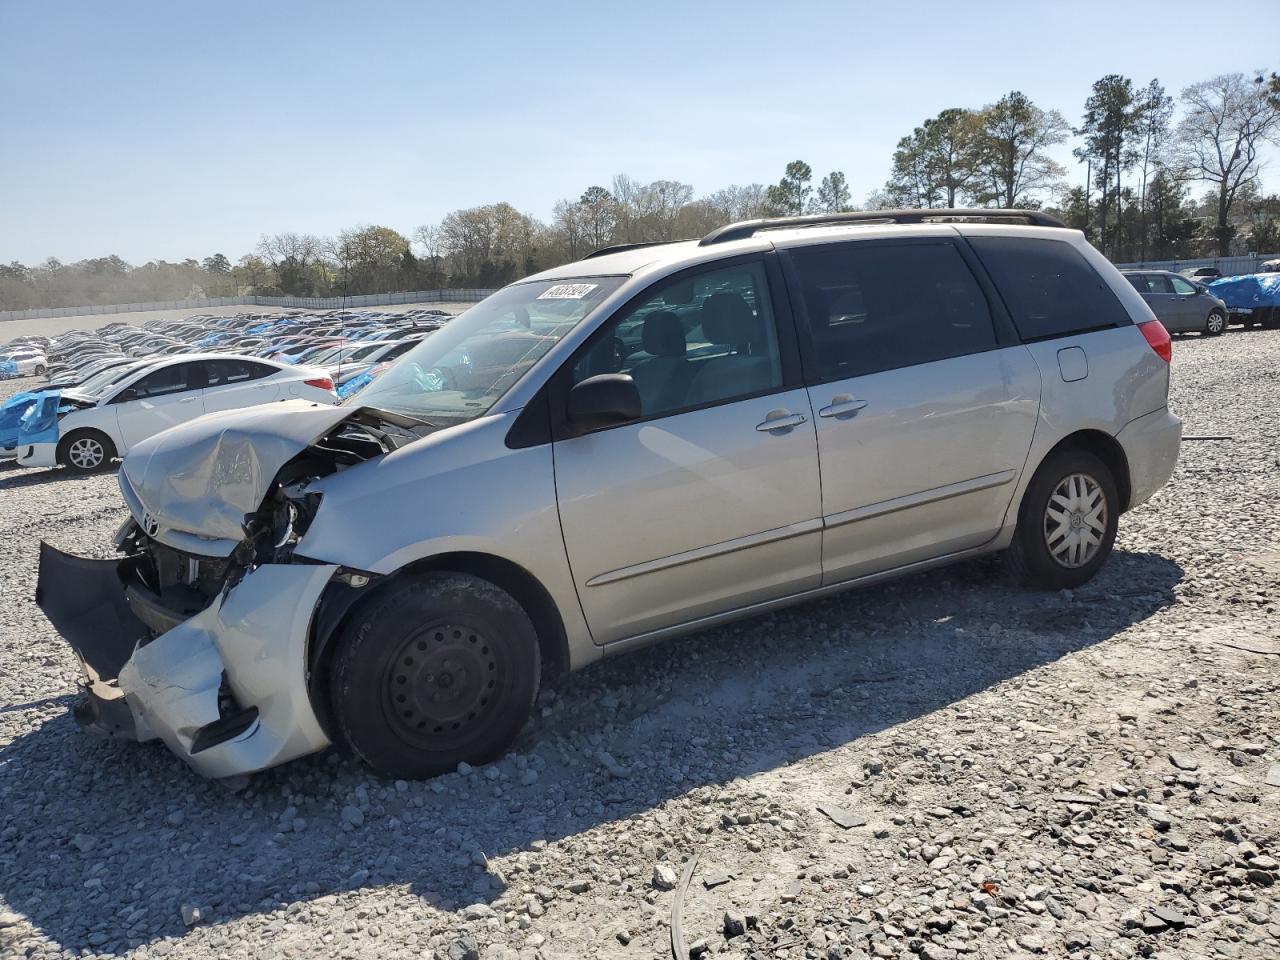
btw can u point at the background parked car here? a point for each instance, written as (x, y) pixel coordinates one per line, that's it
(1181, 305)
(86, 429)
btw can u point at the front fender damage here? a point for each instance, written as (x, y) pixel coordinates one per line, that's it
(201, 635)
(225, 689)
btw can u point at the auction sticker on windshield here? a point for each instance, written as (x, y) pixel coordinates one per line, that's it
(567, 291)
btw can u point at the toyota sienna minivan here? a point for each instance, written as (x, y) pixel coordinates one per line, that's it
(647, 442)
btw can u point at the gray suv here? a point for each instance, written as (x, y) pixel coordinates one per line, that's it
(650, 441)
(1182, 305)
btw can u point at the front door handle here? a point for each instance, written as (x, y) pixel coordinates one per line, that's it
(780, 421)
(842, 407)
(187, 400)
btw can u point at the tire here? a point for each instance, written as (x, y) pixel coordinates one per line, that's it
(40, 370)
(1215, 324)
(86, 451)
(1072, 475)
(434, 671)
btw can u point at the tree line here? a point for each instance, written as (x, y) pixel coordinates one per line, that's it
(1144, 153)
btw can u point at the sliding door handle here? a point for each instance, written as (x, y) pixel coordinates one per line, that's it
(779, 421)
(842, 407)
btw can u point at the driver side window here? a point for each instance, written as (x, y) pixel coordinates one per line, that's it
(693, 341)
(171, 379)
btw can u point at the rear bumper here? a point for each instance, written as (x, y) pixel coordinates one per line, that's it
(1151, 445)
(225, 689)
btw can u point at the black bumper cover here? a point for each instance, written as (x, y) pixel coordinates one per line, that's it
(86, 603)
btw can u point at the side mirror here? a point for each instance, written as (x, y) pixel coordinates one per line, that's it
(603, 401)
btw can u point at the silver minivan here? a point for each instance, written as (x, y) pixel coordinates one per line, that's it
(644, 443)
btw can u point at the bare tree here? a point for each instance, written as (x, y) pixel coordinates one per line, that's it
(1013, 164)
(1227, 120)
(749, 202)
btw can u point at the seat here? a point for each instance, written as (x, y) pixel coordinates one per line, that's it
(662, 378)
(727, 319)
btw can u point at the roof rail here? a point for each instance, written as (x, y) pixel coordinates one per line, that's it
(748, 228)
(620, 247)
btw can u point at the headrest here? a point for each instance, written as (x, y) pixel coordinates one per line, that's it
(726, 318)
(663, 335)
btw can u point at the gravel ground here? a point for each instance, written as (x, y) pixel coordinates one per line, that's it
(944, 766)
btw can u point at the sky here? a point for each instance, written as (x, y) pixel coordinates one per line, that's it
(166, 130)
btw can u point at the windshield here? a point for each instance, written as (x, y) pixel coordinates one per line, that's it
(460, 372)
(104, 378)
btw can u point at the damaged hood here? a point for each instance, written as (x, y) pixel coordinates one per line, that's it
(192, 485)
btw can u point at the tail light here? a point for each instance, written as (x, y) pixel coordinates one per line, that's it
(1159, 339)
(326, 383)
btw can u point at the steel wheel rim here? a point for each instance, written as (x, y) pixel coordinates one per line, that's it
(442, 683)
(86, 453)
(1075, 520)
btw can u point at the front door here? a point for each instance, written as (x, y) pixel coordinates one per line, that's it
(710, 501)
(1189, 307)
(158, 401)
(924, 415)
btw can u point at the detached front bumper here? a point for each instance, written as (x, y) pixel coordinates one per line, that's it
(37, 454)
(226, 689)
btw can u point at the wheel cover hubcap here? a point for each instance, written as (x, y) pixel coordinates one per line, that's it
(1075, 520)
(85, 452)
(1215, 322)
(441, 685)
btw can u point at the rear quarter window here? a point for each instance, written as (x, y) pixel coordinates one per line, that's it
(1049, 288)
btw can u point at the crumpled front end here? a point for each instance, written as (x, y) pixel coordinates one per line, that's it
(201, 635)
(224, 687)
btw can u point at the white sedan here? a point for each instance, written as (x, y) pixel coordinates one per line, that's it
(93, 427)
(28, 361)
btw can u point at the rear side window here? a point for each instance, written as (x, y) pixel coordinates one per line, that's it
(1050, 289)
(878, 306)
(1151, 283)
(224, 372)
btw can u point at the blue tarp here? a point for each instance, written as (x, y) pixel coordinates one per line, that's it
(8, 369)
(11, 413)
(40, 422)
(30, 418)
(355, 384)
(1253, 290)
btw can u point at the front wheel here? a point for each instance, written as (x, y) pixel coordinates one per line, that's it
(85, 451)
(1067, 521)
(1215, 323)
(434, 671)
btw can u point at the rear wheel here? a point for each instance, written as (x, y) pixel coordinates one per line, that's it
(437, 670)
(1067, 521)
(1215, 323)
(85, 451)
